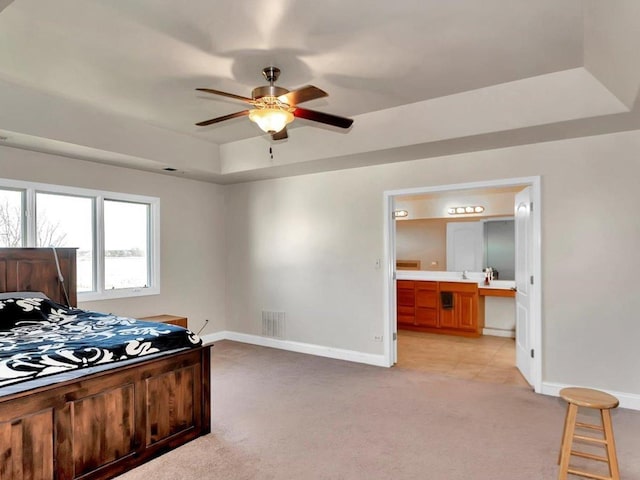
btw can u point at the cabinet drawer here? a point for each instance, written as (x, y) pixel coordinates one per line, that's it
(407, 321)
(406, 311)
(426, 298)
(458, 287)
(405, 298)
(426, 285)
(406, 315)
(404, 284)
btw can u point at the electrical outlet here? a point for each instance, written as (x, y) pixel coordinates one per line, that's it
(377, 338)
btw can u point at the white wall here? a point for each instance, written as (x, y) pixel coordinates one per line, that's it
(307, 246)
(192, 234)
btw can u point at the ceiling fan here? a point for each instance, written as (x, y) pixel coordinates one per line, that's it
(275, 107)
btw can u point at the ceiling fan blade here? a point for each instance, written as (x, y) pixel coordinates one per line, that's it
(226, 94)
(281, 135)
(322, 117)
(303, 94)
(223, 118)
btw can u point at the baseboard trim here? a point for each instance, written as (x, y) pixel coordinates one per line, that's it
(213, 337)
(627, 400)
(299, 347)
(497, 332)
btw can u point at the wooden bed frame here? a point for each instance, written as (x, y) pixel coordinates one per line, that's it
(103, 424)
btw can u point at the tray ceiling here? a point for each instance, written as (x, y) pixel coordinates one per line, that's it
(138, 63)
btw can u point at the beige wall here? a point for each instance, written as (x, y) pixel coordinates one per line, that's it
(307, 246)
(192, 234)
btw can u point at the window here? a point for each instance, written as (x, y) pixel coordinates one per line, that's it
(126, 242)
(117, 235)
(67, 221)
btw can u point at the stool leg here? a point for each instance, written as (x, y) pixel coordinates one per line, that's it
(611, 444)
(567, 441)
(564, 433)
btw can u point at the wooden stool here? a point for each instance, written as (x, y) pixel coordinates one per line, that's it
(585, 397)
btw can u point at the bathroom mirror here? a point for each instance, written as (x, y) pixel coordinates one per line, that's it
(425, 241)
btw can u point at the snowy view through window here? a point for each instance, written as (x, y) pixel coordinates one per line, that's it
(65, 221)
(126, 233)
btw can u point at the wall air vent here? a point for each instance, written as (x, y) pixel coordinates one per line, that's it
(273, 324)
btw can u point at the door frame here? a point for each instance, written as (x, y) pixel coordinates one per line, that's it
(389, 296)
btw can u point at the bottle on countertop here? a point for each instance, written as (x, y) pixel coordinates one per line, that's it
(488, 275)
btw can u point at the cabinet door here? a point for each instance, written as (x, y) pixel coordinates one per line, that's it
(448, 316)
(467, 311)
(427, 317)
(426, 304)
(463, 315)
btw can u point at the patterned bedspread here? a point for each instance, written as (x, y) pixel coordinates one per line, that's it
(39, 337)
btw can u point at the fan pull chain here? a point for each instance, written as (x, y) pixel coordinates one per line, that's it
(271, 153)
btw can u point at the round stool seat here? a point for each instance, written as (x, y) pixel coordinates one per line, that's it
(587, 397)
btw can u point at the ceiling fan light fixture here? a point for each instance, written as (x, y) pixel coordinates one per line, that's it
(271, 114)
(271, 120)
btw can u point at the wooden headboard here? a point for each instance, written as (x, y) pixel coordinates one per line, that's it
(34, 270)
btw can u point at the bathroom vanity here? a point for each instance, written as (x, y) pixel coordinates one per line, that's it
(444, 302)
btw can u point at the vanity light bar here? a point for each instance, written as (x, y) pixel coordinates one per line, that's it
(466, 210)
(400, 214)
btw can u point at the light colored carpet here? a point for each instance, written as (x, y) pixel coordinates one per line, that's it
(282, 415)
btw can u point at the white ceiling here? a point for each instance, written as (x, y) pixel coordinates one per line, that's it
(397, 68)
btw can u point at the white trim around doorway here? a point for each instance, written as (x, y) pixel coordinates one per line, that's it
(389, 294)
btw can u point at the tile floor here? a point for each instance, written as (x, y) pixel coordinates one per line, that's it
(487, 358)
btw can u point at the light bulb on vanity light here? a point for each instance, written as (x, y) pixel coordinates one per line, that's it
(468, 209)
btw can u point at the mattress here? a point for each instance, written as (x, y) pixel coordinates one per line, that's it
(42, 342)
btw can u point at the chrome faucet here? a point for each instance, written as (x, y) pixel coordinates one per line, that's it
(464, 275)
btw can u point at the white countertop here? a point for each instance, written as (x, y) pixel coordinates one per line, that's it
(473, 277)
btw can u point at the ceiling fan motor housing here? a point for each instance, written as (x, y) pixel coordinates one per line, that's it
(268, 91)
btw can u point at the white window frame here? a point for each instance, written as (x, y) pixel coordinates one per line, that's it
(30, 190)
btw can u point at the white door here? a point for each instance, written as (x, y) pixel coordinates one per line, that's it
(465, 246)
(524, 270)
(393, 300)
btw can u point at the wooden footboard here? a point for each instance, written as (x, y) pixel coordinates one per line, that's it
(107, 423)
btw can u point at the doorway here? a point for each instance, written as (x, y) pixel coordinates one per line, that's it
(532, 332)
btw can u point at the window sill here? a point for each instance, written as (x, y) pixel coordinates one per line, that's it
(119, 293)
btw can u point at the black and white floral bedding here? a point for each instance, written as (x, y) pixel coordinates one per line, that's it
(39, 337)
